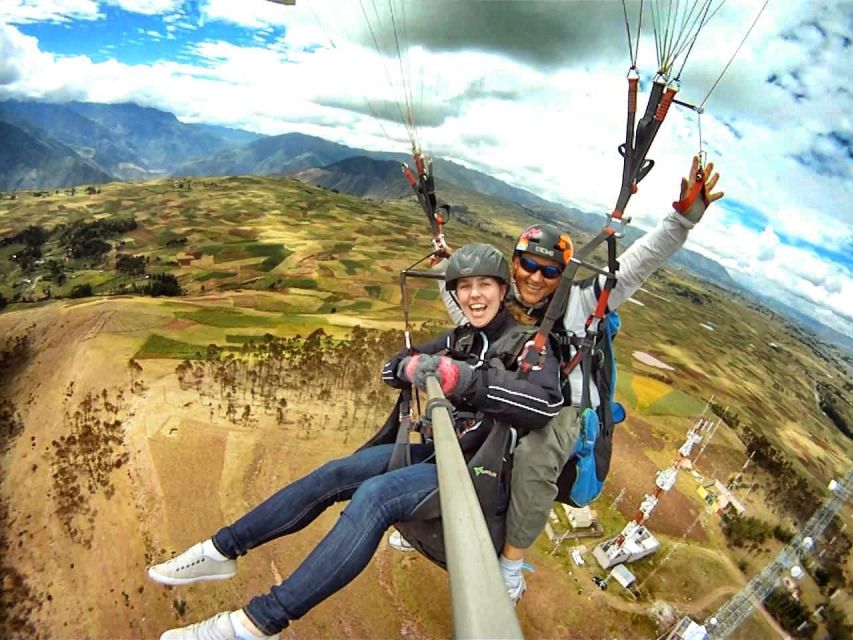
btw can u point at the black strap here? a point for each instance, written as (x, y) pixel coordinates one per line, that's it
(401, 456)
(434, 403)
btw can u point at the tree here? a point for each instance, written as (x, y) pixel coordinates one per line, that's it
(81, 291)
(131, 265)
(181, 371)
(163, 284)
(33, 236)
(56, 272)
(135, 370)
(790, 613)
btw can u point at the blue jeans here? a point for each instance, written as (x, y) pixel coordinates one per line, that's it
(378, 499)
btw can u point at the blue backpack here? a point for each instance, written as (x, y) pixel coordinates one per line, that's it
(583, 475)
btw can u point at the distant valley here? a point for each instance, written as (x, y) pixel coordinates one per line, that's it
(53, 146)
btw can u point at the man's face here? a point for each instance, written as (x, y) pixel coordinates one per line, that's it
(532, 286)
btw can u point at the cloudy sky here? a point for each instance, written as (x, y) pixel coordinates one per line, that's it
(531, 92)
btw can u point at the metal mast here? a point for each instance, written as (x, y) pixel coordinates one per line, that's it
(740, 607)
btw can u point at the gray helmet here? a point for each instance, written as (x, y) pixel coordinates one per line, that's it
(476, 259)
(547, 241)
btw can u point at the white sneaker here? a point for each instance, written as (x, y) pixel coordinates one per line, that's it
(219, 627)
(193, 565)
(398, 542)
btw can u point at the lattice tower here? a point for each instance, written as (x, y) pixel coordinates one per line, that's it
(740, 606)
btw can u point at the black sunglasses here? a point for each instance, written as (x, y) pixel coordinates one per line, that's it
(549, 271)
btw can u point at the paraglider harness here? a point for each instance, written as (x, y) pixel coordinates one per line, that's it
(582, 477)
(584, 473)
(588, 464)
(490, 466)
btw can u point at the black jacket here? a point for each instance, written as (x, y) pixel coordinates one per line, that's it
(495, 391)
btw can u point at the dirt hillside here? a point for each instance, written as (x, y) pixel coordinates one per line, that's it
(133, 439)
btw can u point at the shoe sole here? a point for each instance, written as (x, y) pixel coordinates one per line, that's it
(176, 582)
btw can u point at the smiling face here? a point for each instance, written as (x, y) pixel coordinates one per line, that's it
(480, 298)
(533, 287)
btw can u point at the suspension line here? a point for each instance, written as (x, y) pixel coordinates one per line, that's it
(728, 64)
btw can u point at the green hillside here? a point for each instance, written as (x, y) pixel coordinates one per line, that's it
(275, 275)
(324, 253)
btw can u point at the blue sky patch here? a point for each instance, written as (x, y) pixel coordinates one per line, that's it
(739, 212)
(843, 257)
(133, 38)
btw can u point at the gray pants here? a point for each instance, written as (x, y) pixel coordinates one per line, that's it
(538, 460)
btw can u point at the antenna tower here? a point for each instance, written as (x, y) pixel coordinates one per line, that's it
(740, 606)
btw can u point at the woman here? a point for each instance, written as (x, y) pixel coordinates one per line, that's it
(478, 277)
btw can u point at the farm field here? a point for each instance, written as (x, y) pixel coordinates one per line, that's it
(271, 262)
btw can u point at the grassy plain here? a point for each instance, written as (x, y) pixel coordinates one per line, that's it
(262, 256)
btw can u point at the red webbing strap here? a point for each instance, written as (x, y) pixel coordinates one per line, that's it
(600, 309)
(589, 338)
(410, 177)
(690, 197)
(665, 103)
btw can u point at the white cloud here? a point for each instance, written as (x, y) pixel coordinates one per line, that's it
(768, 244)
(253, 15)
(148, 7)
(27, 11)
(796, 275)
(552, 127)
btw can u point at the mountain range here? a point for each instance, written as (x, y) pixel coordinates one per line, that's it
(48, 146)
(123, 141)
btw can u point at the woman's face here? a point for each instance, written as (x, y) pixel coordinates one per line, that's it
(480, 298)
(532, 285)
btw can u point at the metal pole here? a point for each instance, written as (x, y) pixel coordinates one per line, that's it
(481, 606)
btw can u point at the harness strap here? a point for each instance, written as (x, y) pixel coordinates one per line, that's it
(401, 456)
(690, 197)
(424, 187)
(592, 328)
(535, 355)
(435, 403)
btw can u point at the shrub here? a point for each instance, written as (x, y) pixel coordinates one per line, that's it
(81, 291)
(131, 265)
(163, 284)
(741, 530)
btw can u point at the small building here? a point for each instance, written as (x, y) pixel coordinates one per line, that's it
(623, 576)
(636, 546)
(720, 498)
(577, 557)
(686, 629)
(581, 518)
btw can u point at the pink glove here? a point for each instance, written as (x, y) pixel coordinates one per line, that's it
(451, 374)
(448, 372)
